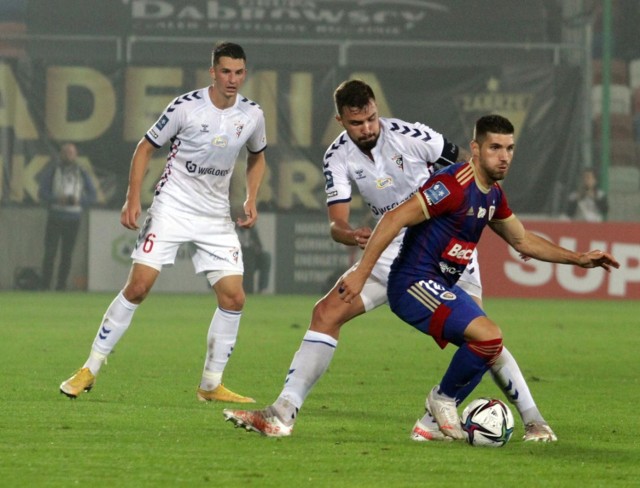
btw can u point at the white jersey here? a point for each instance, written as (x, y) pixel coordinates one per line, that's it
(403, 159)
(205, 143)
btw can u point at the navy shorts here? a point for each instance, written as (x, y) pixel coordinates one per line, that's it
(439, 310)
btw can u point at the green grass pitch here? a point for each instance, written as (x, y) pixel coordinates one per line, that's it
(142, 425)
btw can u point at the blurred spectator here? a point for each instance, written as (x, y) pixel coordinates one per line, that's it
(588, 202)
(257, 261)
(68, 190)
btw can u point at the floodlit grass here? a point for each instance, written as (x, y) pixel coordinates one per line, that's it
(142, 425)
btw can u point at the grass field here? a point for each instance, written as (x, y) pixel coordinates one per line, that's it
(142, 426)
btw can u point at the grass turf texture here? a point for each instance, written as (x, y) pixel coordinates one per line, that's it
(142, 425)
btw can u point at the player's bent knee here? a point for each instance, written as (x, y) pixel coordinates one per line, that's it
(323, 319)
(331, 312)
(482, 329)
(233, 301)
(227, 285)
(488, 350)
(136, 292)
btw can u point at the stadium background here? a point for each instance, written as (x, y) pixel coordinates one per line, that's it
(99, 73)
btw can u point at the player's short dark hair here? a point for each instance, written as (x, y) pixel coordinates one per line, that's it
(352, 93)
(228, 49)
(495, 124)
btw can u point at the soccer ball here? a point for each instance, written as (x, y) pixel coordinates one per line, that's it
(487, 422)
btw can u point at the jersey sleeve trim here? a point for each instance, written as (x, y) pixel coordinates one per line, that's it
(510, 217)
(343, 200)
(423, 205)
(153, 143)
(257, 152)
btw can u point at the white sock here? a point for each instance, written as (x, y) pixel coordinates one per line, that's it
(308, 365)
(114, 324)
(221, 338)
(508, 377)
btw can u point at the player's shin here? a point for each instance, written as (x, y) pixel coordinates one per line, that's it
(507, 375)
(466, 390)
(221, 339)
(114, 324)
(468, 364)
(309, 364)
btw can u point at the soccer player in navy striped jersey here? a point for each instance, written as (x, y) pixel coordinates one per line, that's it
(206, 129)
(444, 222)
(387, 159)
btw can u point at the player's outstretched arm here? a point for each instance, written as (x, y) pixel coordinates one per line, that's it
(532, 245)
(598, 259)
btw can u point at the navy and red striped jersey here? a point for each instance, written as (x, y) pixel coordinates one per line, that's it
(457, 208)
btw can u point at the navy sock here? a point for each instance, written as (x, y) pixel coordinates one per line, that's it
(464, 373)
(466, 390)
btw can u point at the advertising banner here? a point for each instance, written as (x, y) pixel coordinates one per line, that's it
(105, 109)
(505, 274)
(310, 261)
(454, 20)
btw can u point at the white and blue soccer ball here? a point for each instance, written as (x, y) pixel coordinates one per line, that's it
(487, 422)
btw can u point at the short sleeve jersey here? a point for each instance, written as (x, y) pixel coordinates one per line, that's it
(205, 143)
(457, 208)
(402, 160)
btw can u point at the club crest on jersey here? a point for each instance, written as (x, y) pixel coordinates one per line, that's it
(239, 126)
(162, 122)
(399, 160)
(436, 192)
(447, 295)
(382, 183)
(220, 141)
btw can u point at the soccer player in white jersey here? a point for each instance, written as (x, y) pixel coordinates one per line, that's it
(205, 129)
(388, 160)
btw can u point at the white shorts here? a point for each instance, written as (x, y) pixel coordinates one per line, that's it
(374, 292)
(214, 242)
